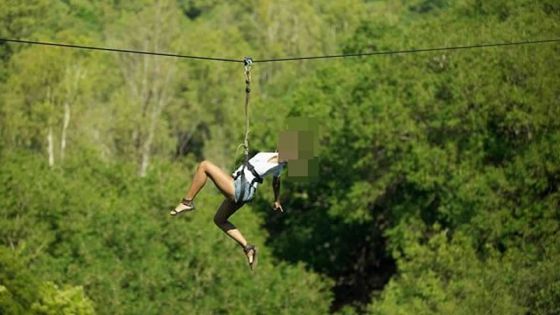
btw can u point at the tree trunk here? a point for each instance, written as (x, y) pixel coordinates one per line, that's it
(65, 124)
(148, 78)
(74, 75)
(50, 147)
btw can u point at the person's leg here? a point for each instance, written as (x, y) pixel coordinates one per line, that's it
(206, 169)
(226, 209)
(221, 179)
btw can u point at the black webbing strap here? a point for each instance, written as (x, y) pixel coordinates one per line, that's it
(257, 178)
(244, 184)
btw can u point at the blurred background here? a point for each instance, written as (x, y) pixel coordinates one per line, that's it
(438, 188)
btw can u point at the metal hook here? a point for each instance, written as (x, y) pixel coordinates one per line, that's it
(247, 62)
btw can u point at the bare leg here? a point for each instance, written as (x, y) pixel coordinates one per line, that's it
(226, 209)
(221, 179)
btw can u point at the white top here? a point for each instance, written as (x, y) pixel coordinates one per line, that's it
(262, 166)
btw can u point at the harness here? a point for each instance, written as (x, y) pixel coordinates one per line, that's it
(241, 173)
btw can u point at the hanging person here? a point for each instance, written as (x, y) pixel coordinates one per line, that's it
(238, 189)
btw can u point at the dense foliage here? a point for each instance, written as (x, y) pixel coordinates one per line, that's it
(439, 172)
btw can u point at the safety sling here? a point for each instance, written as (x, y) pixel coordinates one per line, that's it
(247, 62)
(245, 185)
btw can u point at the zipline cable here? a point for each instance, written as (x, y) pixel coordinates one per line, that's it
(386, 52)
(409, 51)
(130, 51)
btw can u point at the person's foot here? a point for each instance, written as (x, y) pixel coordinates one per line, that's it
(251, 253)
(185, 205)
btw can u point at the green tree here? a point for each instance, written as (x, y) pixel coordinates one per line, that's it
(23, 293)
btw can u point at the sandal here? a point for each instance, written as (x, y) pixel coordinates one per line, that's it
(189, 207)
(252, 262)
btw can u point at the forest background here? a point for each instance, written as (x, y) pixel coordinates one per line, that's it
(439, 172)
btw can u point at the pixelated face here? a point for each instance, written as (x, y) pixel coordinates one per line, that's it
(297, 147)
(288, 146)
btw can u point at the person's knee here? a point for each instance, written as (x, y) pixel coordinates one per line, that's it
(219, 221)
(203, 165)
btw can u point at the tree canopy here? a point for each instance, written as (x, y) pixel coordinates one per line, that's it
(438, 188)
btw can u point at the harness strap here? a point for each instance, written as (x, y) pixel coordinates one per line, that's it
(245, 186)
(257, 178)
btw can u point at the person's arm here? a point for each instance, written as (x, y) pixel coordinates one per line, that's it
(276, 189)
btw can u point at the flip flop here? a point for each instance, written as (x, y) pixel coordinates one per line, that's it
(189, 207)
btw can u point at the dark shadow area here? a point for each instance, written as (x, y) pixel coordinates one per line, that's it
(353, 255)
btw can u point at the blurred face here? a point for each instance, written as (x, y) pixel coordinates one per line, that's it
(288, 146)
(299, 145)
(295, 145)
